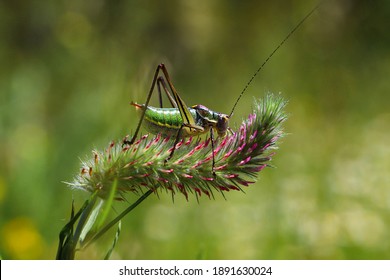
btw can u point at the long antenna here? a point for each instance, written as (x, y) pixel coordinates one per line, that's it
(272, 53)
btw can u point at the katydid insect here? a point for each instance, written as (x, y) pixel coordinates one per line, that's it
(182, 121)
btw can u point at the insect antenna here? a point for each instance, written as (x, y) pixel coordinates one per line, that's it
(271, 54)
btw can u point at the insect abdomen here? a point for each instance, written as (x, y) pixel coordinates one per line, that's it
(166, 121)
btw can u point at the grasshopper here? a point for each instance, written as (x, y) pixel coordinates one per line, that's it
(182, 121)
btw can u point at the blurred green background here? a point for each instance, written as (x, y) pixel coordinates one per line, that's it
(68, 70)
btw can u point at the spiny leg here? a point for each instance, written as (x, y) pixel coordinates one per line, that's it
(178, 137)
(175, 143)
(161, 83)
(188, 121)
(155, 80)
(176, 101)
(212, 149)
(126, 142)
(180, 104)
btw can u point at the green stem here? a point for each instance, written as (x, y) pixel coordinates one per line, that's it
(84, 218)
(117, 219)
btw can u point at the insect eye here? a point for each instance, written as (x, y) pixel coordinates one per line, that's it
(222, 118)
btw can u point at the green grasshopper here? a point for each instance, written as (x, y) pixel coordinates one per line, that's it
(182, 121)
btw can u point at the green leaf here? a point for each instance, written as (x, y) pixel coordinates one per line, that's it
(115, 241)
(91, 221)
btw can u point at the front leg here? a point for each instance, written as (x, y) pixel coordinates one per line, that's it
(198, 130)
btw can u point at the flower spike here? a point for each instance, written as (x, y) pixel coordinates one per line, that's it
(239, 158)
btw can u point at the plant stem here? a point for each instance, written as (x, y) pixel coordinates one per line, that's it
(118, 218)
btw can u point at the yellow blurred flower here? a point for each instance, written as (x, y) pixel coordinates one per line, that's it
(21, 239)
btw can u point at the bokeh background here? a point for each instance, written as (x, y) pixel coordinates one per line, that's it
(68, 70)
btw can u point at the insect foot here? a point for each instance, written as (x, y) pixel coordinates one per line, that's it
(125, 141)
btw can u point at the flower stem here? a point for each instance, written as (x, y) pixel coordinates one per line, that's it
(117, 219)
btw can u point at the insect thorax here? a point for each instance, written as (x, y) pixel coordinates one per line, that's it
(209, 118)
